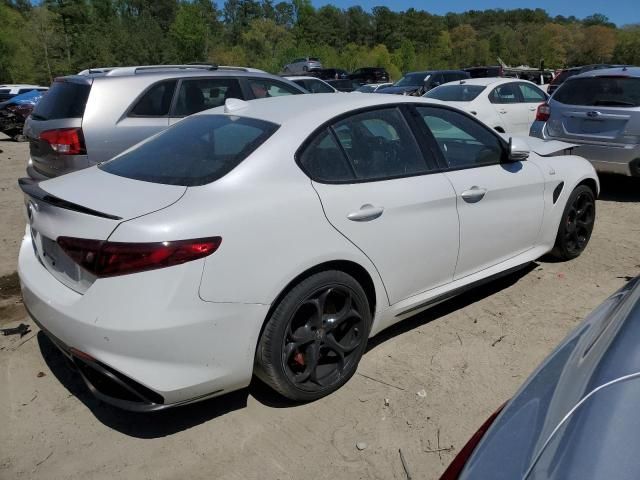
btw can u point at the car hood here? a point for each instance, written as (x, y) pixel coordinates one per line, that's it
(583, 394)
(399, 90)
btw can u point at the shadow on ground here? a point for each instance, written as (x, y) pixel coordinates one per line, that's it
(168, 422)
(616, 188)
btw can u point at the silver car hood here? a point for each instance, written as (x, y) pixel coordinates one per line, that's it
(581, 396)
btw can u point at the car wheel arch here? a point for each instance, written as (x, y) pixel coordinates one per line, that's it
(591, 183)
(357, 271)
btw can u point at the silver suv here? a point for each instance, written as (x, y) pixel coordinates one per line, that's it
(88, 118)
(301, 66)
(599, 111)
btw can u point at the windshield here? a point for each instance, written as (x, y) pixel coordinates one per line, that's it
(195, 151)
(455, 93)
(412, 80)
(366, 89)
(600, 91)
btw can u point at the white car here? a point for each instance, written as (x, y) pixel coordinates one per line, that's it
(276, 236)
(312, 84)
(506, 104)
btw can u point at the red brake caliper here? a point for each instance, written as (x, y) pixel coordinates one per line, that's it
(299, 359)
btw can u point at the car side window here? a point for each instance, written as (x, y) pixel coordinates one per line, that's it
(380, 145)
(201, 94)
(506, 93)
(264, 87)
(531, 94)
(156, 101)
(324, 161)
(463, 141)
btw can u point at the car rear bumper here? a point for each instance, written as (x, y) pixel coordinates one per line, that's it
(145, 342)
(622, 160)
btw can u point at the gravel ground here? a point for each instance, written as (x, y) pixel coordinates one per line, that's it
(424, 386)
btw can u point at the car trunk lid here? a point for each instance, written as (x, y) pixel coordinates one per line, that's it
(83, 205)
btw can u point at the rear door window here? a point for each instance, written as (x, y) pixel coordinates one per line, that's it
(195, 151)
(380, 145)
(201, 94)
(63, 100)
(600, 91)
(506, 93)
(156, 101)
(531, 94)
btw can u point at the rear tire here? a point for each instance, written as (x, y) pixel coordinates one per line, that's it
(314, 339)
(576, 224)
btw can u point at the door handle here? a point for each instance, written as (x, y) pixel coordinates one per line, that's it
(532, 109)
(502, 111)
(474, 194)
(366, 213)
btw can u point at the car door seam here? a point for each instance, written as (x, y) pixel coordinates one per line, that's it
(350, 241)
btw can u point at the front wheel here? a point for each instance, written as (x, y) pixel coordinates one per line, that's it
(576, 224)
(314, 339)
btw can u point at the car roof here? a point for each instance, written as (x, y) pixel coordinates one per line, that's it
(485, 81)
(607, 72)
(312, 109)
(302, 77)
(169, 71)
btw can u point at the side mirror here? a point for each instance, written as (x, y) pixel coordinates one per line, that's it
(518, 149)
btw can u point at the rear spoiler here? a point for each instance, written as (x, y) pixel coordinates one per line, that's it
(32, 188)
(548, 148)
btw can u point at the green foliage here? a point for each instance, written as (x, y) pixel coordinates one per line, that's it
(41, 40)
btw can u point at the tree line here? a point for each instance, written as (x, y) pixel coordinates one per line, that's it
(59, 37)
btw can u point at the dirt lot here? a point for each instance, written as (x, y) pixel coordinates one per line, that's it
(468, 356)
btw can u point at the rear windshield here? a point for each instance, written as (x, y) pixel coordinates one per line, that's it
(455, 93)
(600, 91)
(63, 100)
(196, 151)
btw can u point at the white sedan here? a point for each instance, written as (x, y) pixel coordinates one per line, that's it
(276, 236)
(506, 104)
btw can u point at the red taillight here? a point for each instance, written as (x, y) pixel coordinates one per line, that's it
(66, 141)
(455, 468)
(543, 112)
(108, 259)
